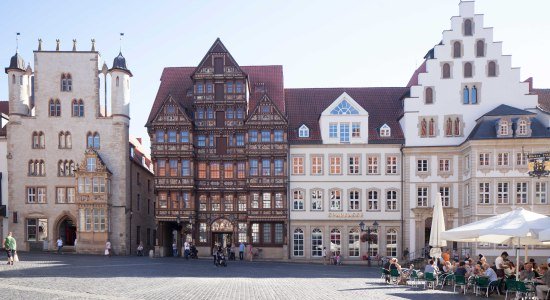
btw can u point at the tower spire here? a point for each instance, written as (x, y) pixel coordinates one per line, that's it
(17, 42)
(121, 35)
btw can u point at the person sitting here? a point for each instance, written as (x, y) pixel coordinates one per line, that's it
(430, 267)
(527, 273)
(544, 285)
(447, 268)
(140, 249)
(509, 269)
(387, 271)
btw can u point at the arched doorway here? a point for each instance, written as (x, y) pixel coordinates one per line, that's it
(222, 232)
(67, 231)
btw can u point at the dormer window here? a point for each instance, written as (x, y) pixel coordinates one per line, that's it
(385, 131)
(503, 128)
(303, 132)
(344, 108)
(522, 127)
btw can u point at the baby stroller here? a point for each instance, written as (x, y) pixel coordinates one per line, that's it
(220, 259)
(194, 252)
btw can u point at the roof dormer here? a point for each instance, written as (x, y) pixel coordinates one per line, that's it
(385, 131)
(344, 121)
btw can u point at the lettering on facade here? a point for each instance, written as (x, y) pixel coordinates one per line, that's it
(539, 164)
(345, 215)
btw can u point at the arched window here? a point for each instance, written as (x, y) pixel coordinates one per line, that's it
(423, 128)
(373, 242)
(503, 128)
(35, 140)
(61, 143)
(446, 70)
(457, 49)
(71, 168)
(480, 48)
(117, 81)
(298, 240)
(468, 27)
(39, 140)
(303, 131)
(522, 127)
(81, 108)
(468, 70)
(335, 240)
(492, 69)
(457, 126)
(96, 141)
(474, 95)
(52, 108)
(60, 168)
(429, 95)
(89, 140)
(391, 242)
(32, 170)
(449, 127)
(431, 127)
(42, 168)
(55, 108)
(316, 242)
(466, 95)
(353, 242)
(68, 140)
(13, 79)
(344, 108)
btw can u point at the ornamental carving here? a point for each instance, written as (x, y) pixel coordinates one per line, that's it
(222, 225)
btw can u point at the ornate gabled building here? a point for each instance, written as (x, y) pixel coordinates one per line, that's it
(57, 132)
(219, 146)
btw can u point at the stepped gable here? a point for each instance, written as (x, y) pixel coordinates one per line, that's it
(304, 106)
(414, 77)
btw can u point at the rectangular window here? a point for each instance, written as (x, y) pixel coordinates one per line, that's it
(254, 167)
(202, 233)
(467, 162)
(391, 165)
(60, 195)
(87, 185)
(241, 170)
(278, 233)
(228, 203)
(521, 193)
(215, 170)
(298, 200)
(255, 233)
(503, 159)
(31, 230)
(278, 167)
(184, 136)
(540, 192)
(228, 170)
(242, 203)
(267, 233)
(467, 195)
(41, 195)
(173, 167)
(278, 136)
(266, 200)
(215, 202)
(354, 200)
(484, 196)
(344, 132)
(316, 165)
(202, 170)
(316, 200)
(266, 167)
(356, 130)
(202, 202)
(335, 165)
(422, 196)
(372, 165)
(172, 136)
(333, 130)
(279, 203)
(240, 139)
(253, 136)
(521, 159)
(201, 141)
(422, 165)
(266, 136)
(238, 87)
(444, 165)
(185, 167)
(502, 193)
(71, 194)
(445, 196)
(255, 200)
(372, 198)
(354, 163)
(484, 159)
(160, 136)
(242, 227)
(391, 200)
(335, 200)
(297, 165)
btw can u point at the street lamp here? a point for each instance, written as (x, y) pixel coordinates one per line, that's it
(191, 219)
(368, 229)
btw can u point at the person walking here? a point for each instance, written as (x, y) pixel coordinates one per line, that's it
(140, 249)
(174, 249)
(11, 247)
(108, 248)
(186, 249)
(59, 245)
(324, 254)
(250, 252)
(241, 251)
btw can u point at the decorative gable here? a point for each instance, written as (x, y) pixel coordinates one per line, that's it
(217, 61)
(345, 105)
(171, 113)
(266, 113)
(344, 121)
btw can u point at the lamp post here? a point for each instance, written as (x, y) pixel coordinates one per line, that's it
(368, 229)
(191, 219)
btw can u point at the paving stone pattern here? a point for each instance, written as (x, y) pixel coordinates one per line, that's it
(51, 276)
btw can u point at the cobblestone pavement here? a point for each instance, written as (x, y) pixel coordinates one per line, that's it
(51, 276)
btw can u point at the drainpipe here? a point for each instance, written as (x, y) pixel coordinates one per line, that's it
(402, 195)
(131, 211)
(287, 197)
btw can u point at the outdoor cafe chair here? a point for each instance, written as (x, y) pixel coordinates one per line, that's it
(511, 287)
(385, 274)
(482, 283)
(394, 276)
(523, 291)
(414, 277)
(429, 279)
(460, 281)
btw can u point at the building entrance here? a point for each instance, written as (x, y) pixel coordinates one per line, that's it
(222, 238)
(67, 232)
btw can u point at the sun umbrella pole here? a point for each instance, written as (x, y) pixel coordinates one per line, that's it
(526, 255)
(517, 259)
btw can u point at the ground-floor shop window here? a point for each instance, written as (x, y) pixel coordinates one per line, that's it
(298, 242)
(242, 233)
(37, 230)
(202, 233)
(373, 243)
(353, 242)
(317, 242)
(93, 219)
(391, 243)
(267, 233)
(335, 240)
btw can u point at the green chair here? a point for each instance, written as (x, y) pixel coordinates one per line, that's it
(460, 281)
(430, 279)
(482, 283)
(394, 276)
(414, 277)
(523, 291)
(495, 285)
(385, 274)
(511, 287)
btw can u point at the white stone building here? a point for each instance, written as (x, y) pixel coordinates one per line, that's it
(57, 128)
(467, 126)
(345, 168)
(3, 169)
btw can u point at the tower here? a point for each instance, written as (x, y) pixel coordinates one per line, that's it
(18, 85)
(120, 87)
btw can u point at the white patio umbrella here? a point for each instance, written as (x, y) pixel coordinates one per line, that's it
(517, 227)
(544, 236)
(438, 226)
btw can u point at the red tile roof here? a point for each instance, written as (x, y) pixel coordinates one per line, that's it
(544, 98)
(304, 106)
(175, 81)
(414, 78)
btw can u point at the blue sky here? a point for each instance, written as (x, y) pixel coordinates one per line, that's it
(319, 43)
